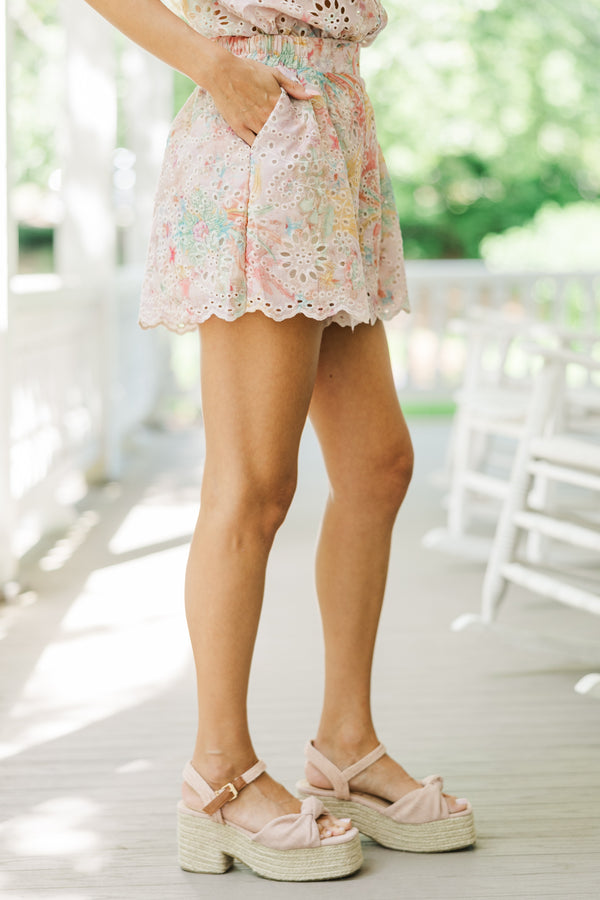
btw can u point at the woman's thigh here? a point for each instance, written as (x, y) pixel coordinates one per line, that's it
(355, 409)
(257, 381)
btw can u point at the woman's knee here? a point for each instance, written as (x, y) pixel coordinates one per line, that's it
(269, 501)
(392, 475)
(255, 502)
(379, 482)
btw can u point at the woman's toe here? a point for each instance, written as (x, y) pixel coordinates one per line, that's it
(330, 826)
(341, 826)
(456, 804)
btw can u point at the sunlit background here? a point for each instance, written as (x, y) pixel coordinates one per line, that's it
(488, 114)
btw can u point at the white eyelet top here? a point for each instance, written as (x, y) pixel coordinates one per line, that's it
(346, 20)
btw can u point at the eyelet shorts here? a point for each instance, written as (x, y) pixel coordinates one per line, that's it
(303, 221)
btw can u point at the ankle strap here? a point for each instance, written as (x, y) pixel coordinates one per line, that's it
(365, 762)
(226, 793)
(339, 778)
(230, 790)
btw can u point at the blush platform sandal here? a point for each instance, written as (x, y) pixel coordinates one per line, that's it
(419, 821)
(289, 848)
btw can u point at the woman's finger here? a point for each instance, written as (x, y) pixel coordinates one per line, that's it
(246, 135)
(295, 88)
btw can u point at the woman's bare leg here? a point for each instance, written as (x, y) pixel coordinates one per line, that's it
(368, 454)
(257, 380)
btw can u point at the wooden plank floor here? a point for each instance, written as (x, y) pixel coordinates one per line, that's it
(98, 707)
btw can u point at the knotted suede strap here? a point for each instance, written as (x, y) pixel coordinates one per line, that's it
(424, 804)
(230, 790)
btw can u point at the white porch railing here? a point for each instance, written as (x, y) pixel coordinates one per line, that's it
(428, 359)
(81, 380)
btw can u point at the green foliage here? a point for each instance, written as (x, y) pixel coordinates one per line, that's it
(37, 89)
(36, 249)
(486, 110)
(182, 88)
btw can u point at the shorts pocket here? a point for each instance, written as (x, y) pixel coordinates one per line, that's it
(272, 115)
(295, 179)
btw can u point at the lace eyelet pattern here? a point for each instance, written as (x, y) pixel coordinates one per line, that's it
(348, 20)
(304, 221)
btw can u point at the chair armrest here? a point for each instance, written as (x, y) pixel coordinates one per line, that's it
(555, 354)
(564, 334)
(480, 319)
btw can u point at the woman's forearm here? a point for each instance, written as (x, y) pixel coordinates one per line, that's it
(155, 28)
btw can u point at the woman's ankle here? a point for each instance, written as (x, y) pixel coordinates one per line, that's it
(218, 767)
(345, 743)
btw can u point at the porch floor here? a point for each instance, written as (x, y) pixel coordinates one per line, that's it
(98, 709)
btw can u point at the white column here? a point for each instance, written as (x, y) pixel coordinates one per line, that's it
(85, 246)
(8, 252)
(147, 110)
(147, 106)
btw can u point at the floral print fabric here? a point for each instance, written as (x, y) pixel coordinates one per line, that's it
(303, 221)
(349, 20)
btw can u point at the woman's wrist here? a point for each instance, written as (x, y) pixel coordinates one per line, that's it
(206, 64)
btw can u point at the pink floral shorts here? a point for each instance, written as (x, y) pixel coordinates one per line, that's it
(304, 221)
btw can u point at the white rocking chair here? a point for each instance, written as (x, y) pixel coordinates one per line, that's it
(490, 419)
(560, 445)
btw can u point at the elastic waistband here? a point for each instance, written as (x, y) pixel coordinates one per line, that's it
(294, 52)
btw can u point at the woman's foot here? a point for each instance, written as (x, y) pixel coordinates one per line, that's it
(259, 803)
(384, 778)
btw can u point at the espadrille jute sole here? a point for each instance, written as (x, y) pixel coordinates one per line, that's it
(428, 837)
(209, 847)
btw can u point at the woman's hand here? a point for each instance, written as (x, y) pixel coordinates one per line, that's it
(245, 92)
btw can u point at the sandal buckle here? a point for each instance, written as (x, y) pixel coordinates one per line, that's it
(228, 786)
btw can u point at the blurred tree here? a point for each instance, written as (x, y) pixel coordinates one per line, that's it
(486, 109)
(37, 89)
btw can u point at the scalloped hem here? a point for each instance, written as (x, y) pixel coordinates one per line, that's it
(341, 317)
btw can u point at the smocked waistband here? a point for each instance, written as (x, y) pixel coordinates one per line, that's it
(295, 52)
